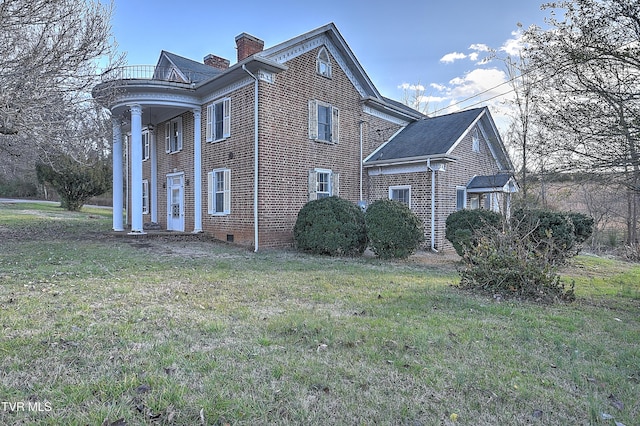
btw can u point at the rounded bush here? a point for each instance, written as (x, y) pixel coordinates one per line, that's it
(464, 227)
(332, 226)
(552, 233)
(394, 230)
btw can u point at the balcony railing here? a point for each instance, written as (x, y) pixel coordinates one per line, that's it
(151, 72)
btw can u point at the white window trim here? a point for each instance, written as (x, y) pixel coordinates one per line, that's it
(167, 135)
(226, 120)
(475, 140)
(145, 196)
(146, 140)
(334, 183)
(313, 122)
(326, 63)
(464, 199)
(396, 187)
(211, 192)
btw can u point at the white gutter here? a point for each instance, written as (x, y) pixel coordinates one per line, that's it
(361, 159)
(255, 160)
(433, 206)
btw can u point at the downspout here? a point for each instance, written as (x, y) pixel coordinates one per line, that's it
(433, 206)
(361, 154)
(255, 159)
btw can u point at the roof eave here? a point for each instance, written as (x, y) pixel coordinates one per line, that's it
(253, 64)
(411, 160)
(389, 109)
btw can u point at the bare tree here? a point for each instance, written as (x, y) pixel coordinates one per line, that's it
(50, 54)
(414, 96)
(590, 94)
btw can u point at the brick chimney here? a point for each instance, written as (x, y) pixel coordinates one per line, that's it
(248, 45)
(216, 62)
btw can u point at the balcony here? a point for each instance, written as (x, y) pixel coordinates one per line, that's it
(154, 73)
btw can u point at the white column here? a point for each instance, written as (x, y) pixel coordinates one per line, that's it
(136, 169)
(154, 175)
(117, 175)
(197, 170)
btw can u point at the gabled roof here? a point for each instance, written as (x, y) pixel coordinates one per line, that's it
(501, 182)
(289, 49)
(342, 53)
(428, 137)
(193, 71)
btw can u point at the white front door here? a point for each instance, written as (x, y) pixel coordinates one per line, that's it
(175, 202)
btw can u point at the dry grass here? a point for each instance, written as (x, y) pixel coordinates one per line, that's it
(164, 331)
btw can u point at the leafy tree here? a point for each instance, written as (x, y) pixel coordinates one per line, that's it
(589, 92)
(75, 182)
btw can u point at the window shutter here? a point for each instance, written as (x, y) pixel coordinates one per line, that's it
(313, 182)
(226, 120)
(335, 125)
(167, 137)
(209, 131)
(335, 184)
(179, 133)
(227, 191)
(313, 119)
(210, 193)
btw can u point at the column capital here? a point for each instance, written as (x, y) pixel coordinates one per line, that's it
(135, 109)
(197, 112)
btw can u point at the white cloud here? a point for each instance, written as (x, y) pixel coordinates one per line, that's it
(438, 87)
(452, 57)
(479, 80)
(474, 56)
(408, 86)
(479, 47)
(513, 46)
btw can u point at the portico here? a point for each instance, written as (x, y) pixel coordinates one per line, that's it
(132, 119)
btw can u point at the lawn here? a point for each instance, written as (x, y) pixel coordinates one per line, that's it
(106, 330)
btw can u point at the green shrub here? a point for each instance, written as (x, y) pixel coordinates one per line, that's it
(465, 226)
(583, 226)
(75, 182)
(551, 234)
(332, 226)
(18, 188)
(394, 231)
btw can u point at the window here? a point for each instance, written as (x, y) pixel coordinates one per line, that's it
(475, 140)
(401, 193)
(219, 120)
(474, 202)
(173, 135)
(145, 145)
(219, 192)
(145, 196)
(324, 122)
(322, 183)
(323, 64)
(461, 198)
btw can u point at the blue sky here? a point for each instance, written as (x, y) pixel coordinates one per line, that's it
(439, 44)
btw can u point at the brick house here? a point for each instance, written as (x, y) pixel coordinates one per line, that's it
(236, 150)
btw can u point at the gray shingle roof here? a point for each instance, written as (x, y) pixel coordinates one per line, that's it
(196, 71)
(493, 181)
(427, 137)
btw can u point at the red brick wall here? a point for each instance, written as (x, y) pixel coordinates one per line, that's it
(286, 152)
(459, 173)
